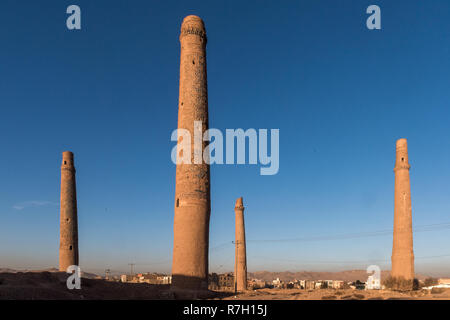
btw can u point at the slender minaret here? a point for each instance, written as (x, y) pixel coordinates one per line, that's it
(68, 243)
(240, 265)
(402, 250)
(192, 189)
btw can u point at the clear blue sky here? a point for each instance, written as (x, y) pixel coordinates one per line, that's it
(340, 94)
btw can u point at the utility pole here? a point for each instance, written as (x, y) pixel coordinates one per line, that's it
(131, 266)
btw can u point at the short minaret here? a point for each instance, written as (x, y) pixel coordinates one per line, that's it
(68, 243)
(240, 267)
(402, 251)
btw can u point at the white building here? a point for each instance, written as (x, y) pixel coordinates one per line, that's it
(165, 279)
(442, 283)
(338, 284)
(276, 283)
(318, 284)
(302, 283)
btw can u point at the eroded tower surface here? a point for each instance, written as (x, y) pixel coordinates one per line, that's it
(192, 189)
(240, 266)
(402, 251)
(68, 243)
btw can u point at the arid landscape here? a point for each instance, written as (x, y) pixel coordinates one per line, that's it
(225, 151)
(51, 285)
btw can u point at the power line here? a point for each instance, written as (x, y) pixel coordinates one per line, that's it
(423, 228)
(345, 262)
(152, 263)
(221, 246)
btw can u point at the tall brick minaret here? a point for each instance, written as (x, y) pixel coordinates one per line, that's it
(240, 266)
(68, 243)
(192, 189)
(402, 250)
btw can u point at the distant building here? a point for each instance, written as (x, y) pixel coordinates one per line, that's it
(302, 284)
(164, 279)
(150, 278)
(226, 281)
(256, 284)
(125, 278)
(338, 284)
(444, 281)
(213, 281)
(277, 283)
(297, 284)
(318, 284)
(290, 285)
(310, 284)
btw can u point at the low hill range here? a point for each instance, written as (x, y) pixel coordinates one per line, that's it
(349, 275)
(86, 275)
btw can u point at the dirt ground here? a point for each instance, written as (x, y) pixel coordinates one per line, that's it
(335, 294)
(52, 286)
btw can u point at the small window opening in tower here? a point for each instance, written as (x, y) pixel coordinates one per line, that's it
(403, 159)
(65, 162)
(193, 62)
(178, 202)
(67, 219)
(70, 247)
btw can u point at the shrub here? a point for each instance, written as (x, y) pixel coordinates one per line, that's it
(359, 296)
(430, 282)
(346, 286)
(437, 290)
(401, 284)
